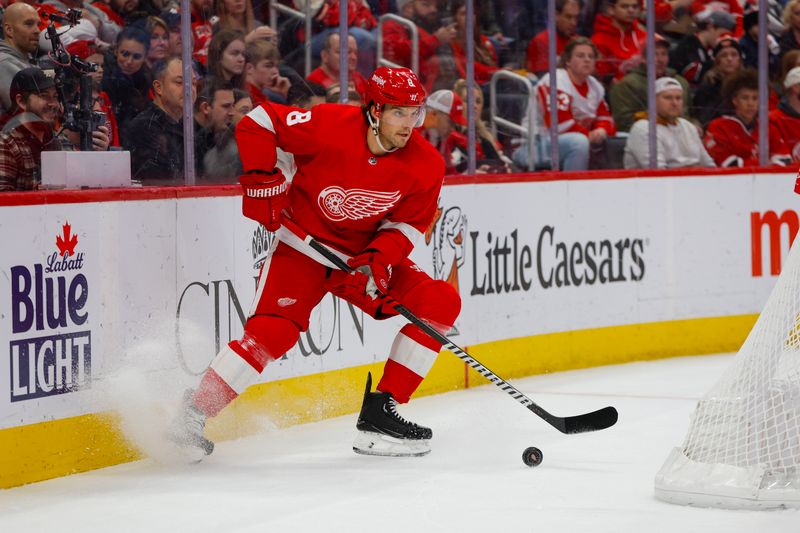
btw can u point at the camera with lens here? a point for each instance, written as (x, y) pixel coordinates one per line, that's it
(73, 83)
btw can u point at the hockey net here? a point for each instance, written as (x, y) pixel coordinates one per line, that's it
(743, 445)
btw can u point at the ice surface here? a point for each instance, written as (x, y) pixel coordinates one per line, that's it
(306, 478)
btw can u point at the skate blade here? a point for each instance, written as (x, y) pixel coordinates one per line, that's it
(368, 443)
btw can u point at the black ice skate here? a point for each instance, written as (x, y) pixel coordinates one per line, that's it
(187, 428)
(382, 431)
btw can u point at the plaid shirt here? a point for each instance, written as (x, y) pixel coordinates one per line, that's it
(21, 158)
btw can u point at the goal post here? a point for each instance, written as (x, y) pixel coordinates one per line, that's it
(742, 450)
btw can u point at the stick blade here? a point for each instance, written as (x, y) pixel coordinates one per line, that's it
(594, 421)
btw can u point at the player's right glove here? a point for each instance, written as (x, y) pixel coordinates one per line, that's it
(264, 196)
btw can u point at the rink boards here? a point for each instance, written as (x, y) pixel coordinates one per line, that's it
(100, 286)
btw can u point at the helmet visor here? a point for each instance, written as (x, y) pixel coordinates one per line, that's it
(395, 116)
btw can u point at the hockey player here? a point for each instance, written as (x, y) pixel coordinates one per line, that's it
(366, 184)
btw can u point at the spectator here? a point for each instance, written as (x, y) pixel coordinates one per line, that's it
(567, 15)
(707, 104)
(328, 72)
(173, 21)
(618, 37)
(202, 31)
(749, 44)
(678, 142)
(790, 40)
(226, 57)
(159, 39)
(156, 140)
(114, 14)
(215, 147)
(334, 92)
(242, 105)
(494, 160)
(306, 95)
(21, 42)
(30, 130)
(432, 34)
(733, 7)
(692, 57)
(485, 63)
(238, 15)
(732, 140)
(444, 118)
(629, 96)
(360, 24)
(584, 121)
(784, 122)
(126, 77)
(262, 78)
(777, 91)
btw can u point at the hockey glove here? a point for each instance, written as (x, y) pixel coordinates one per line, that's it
(264, 196)
(377, 269)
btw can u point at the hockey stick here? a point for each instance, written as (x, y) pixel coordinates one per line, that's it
(594, 421)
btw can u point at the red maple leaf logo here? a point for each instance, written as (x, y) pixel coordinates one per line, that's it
(66, 245)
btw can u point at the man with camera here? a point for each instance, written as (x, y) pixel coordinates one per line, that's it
(30, 130)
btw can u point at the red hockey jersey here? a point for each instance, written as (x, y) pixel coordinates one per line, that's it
(787, 128)
(341, 193)
(731, 144)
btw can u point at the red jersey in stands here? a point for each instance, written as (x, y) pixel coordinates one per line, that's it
(341, 193)
(581, 108)
(784, 124)
(318, 75)
(538, 50)
(616, 47)
(202, 33)
(397, 48)
(731, 144)
(483, 70)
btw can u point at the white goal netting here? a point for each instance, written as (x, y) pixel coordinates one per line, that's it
(743, 445)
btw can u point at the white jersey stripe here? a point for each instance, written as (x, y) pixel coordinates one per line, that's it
(260, 116)
(412, 355)
(234, 370)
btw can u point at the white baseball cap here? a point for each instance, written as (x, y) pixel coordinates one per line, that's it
(449, 103)
(792, 78)
(666, 83)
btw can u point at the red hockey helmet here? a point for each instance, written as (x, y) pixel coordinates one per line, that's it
(396, 86)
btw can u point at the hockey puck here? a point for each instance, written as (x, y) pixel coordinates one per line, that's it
(532, 456)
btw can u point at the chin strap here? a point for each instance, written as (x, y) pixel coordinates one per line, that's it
(374, 126)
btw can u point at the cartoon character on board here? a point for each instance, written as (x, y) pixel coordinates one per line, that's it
(447, 233)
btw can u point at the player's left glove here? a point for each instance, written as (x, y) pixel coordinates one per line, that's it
(376, 267)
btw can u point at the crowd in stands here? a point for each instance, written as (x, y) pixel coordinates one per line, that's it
(706, 64)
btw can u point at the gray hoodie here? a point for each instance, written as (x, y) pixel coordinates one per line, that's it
(11, 62)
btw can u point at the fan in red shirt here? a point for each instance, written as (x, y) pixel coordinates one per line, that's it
(485, 55)
(397, 38)
(365, 184)
(619, 37)
(784, 122)
(732, 139)
(328, 72)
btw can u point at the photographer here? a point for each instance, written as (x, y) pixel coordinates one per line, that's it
(30, 131)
